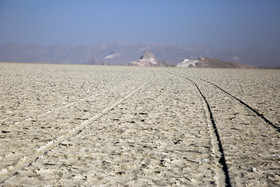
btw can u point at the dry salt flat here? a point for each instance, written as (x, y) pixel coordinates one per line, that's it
(74, 125)
(251, 144)
(258, 88)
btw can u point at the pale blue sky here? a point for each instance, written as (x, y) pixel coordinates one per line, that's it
(213, 23)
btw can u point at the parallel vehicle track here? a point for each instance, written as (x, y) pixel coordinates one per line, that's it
(246, 105)
(218, 149)
(81, 100)
(27, 160)
(158, 137)
(128, 126)
(11, 155)
(248, 138)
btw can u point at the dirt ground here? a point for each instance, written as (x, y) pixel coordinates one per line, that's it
(79, 125)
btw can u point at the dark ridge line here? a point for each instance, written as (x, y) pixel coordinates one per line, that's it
(222, 160)
(247, 106)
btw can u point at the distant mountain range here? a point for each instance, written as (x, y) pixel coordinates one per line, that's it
(122, 53)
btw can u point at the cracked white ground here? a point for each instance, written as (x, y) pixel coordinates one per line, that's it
(103, 125)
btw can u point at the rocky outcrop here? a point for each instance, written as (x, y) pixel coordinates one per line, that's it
(186, 63)
(148, 60)
(207, 62)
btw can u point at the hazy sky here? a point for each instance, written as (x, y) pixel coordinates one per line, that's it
(213, 23)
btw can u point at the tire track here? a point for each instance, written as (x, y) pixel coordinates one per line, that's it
(67, 104)
(44, 114)
(223, 178)
(246, 105)
(147, 140)
(75, 102)
(27, 160)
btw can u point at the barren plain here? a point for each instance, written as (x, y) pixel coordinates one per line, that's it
(78, 125)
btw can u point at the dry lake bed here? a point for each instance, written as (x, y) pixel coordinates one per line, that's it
(78, 125)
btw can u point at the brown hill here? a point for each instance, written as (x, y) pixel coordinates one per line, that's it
(207, 62)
